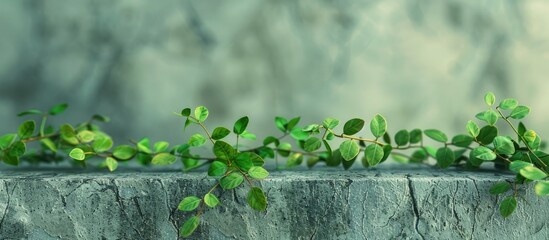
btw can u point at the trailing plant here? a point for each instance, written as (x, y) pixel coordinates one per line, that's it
(233, 164)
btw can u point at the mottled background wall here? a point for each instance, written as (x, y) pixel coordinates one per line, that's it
(420, 63)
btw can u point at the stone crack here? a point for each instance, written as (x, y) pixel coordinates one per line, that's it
(414, 205)
(7, 203)
(122, 208)
(167, 202)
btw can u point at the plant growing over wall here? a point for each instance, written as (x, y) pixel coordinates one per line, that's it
(232, 164)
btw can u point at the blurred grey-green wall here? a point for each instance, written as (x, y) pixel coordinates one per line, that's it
(420, 63)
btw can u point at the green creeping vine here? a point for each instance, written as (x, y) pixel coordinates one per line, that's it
(231, 164)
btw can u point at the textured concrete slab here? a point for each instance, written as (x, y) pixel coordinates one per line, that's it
(414, 203)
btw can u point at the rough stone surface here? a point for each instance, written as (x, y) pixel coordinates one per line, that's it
(414, 203)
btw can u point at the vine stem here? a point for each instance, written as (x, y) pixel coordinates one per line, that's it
(521, 137)
(203, 128)
(37, 138)
(357, 138)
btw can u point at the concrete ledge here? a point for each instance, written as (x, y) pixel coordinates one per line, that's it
(414, 203)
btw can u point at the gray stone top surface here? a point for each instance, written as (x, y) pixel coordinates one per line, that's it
(384, 203)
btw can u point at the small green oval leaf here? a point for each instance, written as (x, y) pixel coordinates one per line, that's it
(102, 144)
(504, 145)
(189, 226)
(532, 173)
(240, 125)
(186, 112)
(231, 181)
(217, 168)
(77, 154)
(201, 113)
(223, 150)
(500, 188)
(508, 104)
(520, 112)
(402, 137)
(124, 152)
(189, 203)
(257, 199)
(445, 157)
(330, 123)
(258, 172)
(353, 126)
(507, 206)
(436, 135)
(484, 153)
(26, 129)
(7, 140)
(312, 144)
(416, 135)
(163, 159)
(489, 98)
(197, 140)
(220, 133)
(111, 163)
(349, 149)
(542, 188)
(517, 165)
(211, 200)
(378, 126)
(487, 134)
(472, 129)
(57, 109)
(491, 117)
(373, 154)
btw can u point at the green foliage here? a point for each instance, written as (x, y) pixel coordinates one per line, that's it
(349, 149)
(219, 133)
(231, 181)
(472, 129)
(257, 199)
(416, 136)
(77, 154)
(519, 112)
(508, 104)
(258, 172)
(500, 188)
(232, 164)
(57, 109)
(7, 140)
(532, 173)
(484, 153)
(201, 114)
(189, 226)
(489, 98)
(330, 123)
(111, 163)
(353, 126)
(378, 126)
(217, 168)
(507, 206)
(373, 154)
(197, 140)
(312, 144)
(189, 203)
(436, 135)
(26, 129)
(240, 125)
(445, 157)
(124, 152)
(402, 138)
(542, 188)
(211, 200)
(163, 159)
(504, 145)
